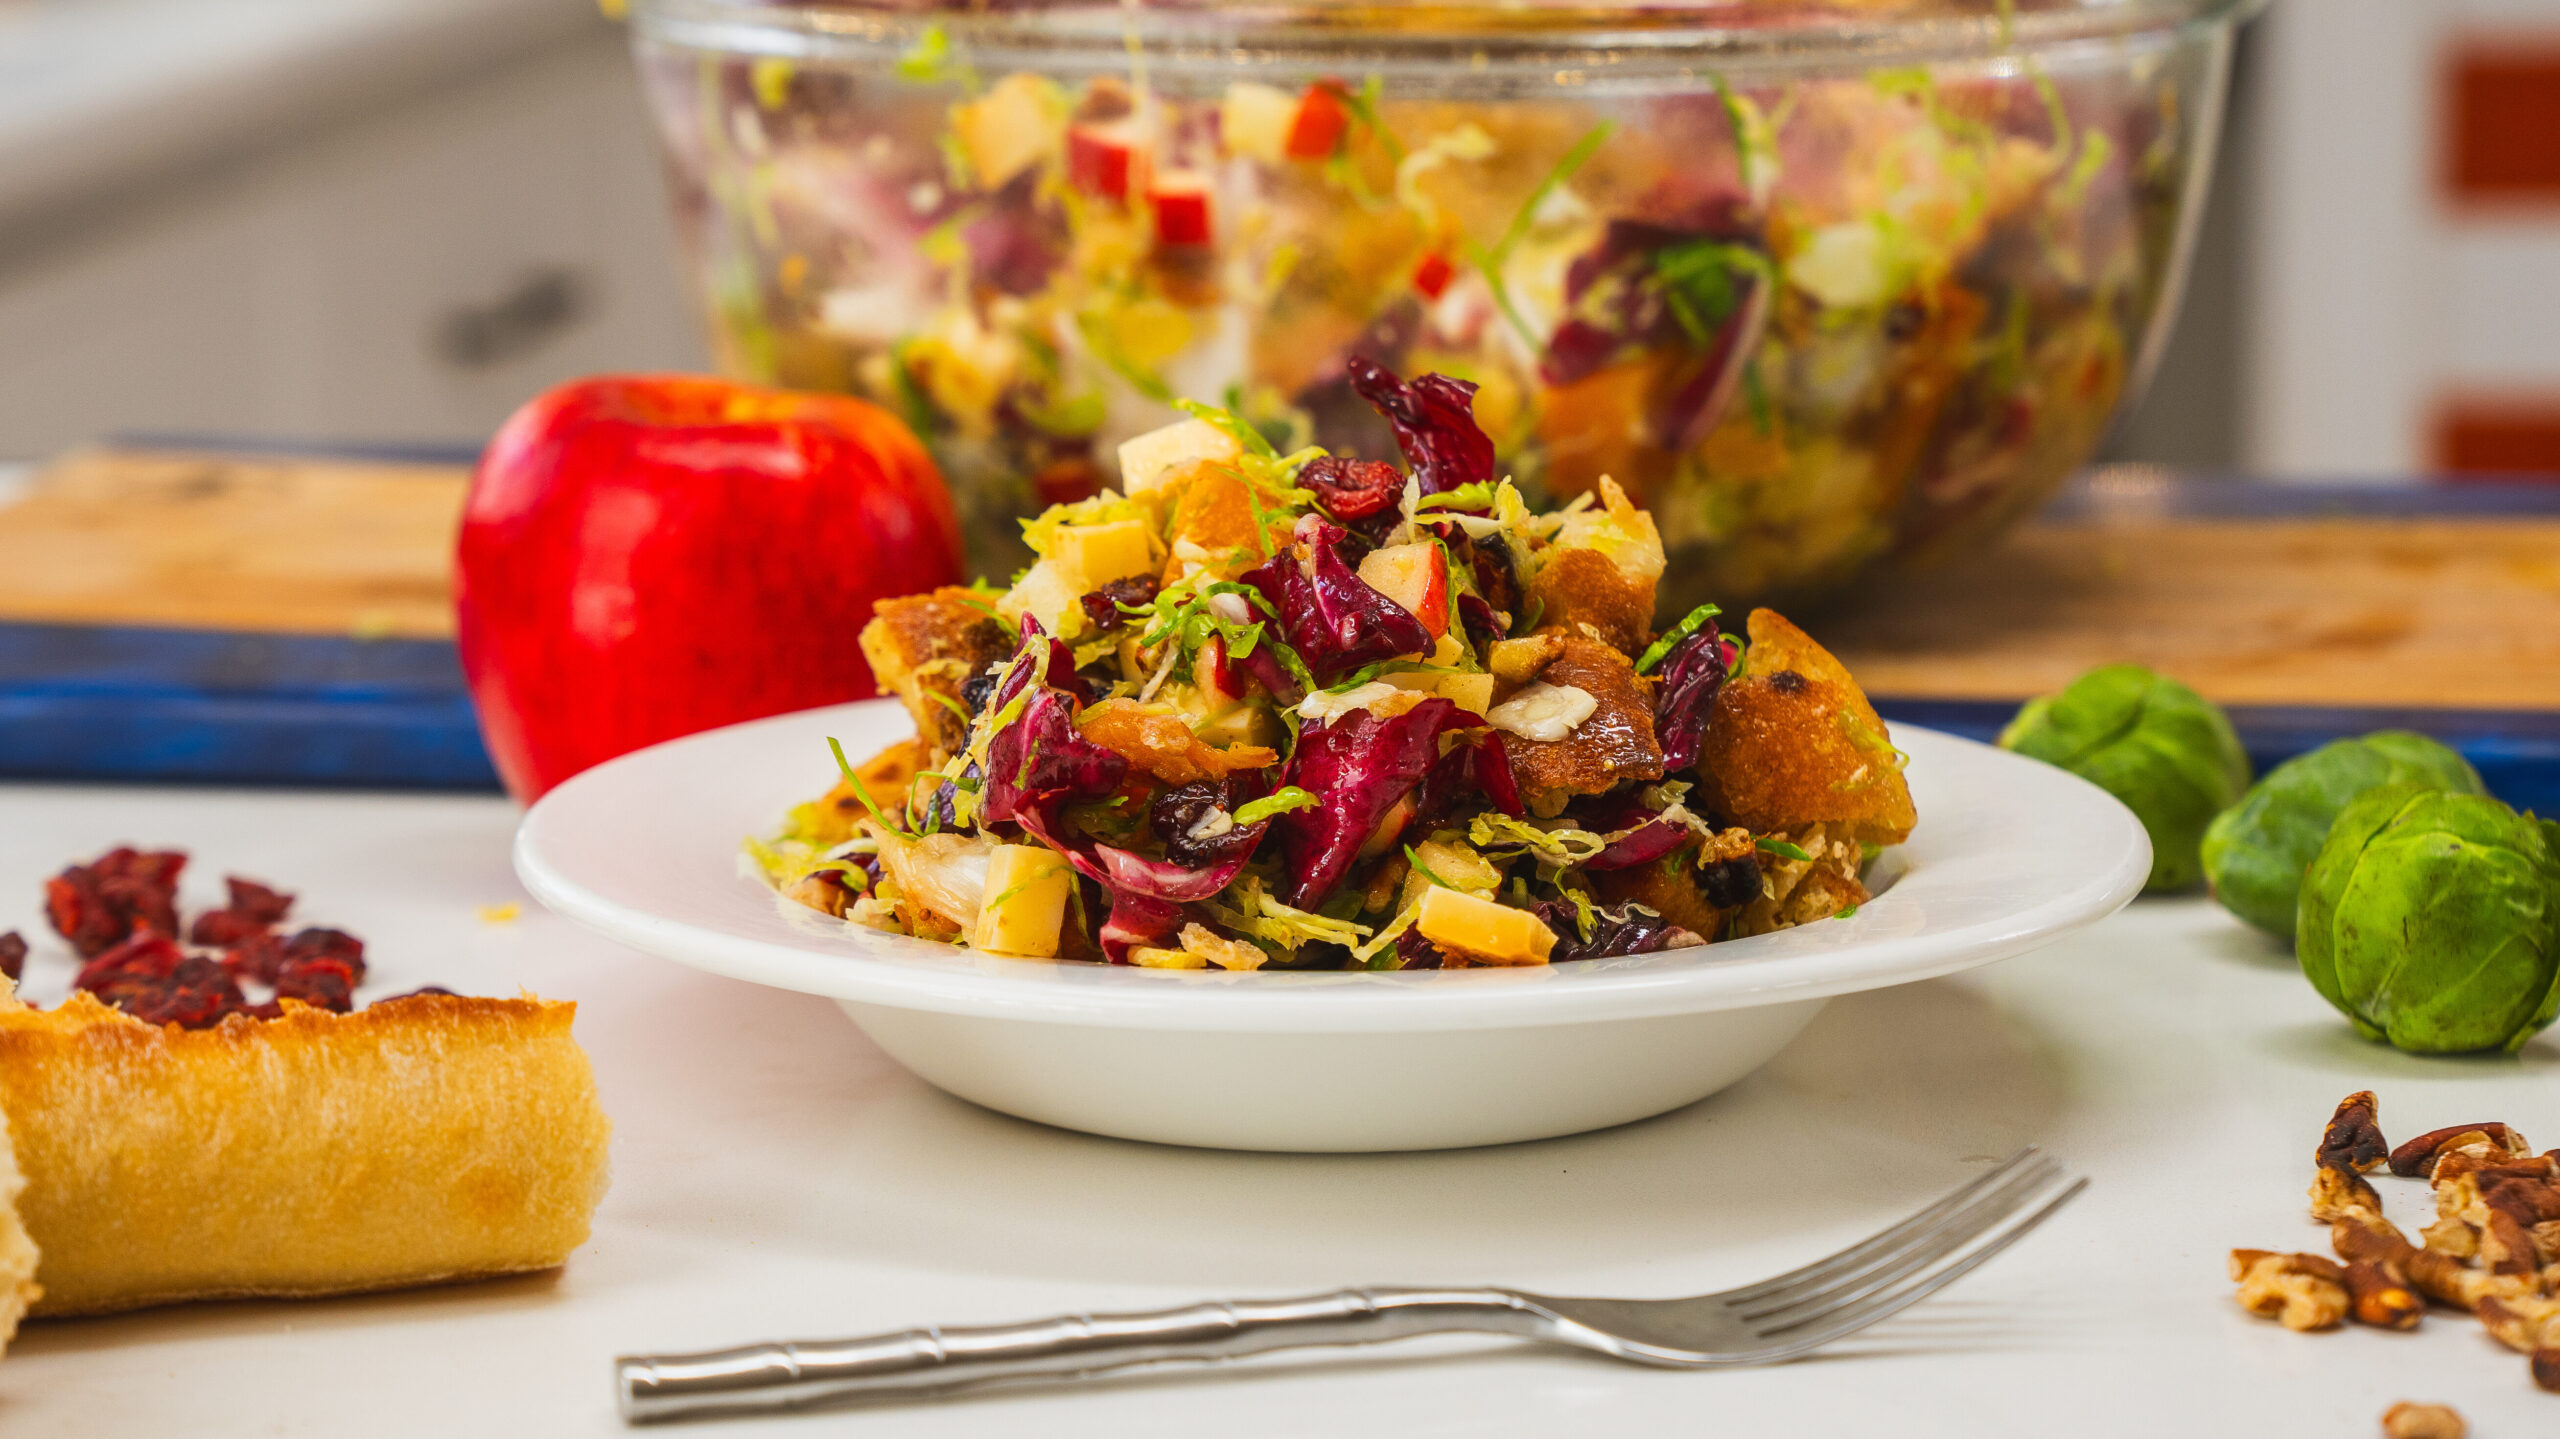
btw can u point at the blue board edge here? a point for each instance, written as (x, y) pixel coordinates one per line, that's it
(2516, 751)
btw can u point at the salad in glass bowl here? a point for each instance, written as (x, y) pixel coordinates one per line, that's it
(1254, 710)
(1817, 284)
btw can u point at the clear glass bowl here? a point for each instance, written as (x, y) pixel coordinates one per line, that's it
(1821, 286)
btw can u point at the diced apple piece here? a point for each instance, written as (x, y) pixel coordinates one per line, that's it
(1623, 534)
(1011, 128)
(1472, 693)
(1415, 576)
(1026, 903)
(1148, 460)
(1255, 120)
(1180, 199)
(1087, 557)
(1484, 931)
(1047, 595)
(1318, 124)
(1108, 158)
(1431, 278)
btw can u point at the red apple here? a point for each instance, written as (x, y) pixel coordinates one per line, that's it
(1181, 202)
(1317, 127)
(1108, 158)
(1415, 576)
(644, 556)
(1431, 278)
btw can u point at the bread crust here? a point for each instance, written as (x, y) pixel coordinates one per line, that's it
(422, 1140)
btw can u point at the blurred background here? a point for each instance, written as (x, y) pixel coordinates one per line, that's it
(387, 222)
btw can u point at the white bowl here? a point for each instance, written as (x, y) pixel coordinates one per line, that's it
(2009, 854)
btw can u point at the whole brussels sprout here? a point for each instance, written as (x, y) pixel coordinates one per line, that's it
(2432, 920)
(2255, 851)
(2163, 749)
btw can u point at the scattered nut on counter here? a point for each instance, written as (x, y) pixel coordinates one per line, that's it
(2493, 1250)
(2405, 1420)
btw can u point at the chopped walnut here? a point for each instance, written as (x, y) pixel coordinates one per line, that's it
(2405, 1420)
(2302, 1292)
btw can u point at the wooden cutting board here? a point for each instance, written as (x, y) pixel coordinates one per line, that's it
(234, 542)
(2367, 599)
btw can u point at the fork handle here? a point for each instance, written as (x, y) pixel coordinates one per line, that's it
(914, 1361)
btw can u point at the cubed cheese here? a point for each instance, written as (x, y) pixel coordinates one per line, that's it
(1149, 459)
(1483, 930)
(1027, 887)
(1047, 595)
(1091, 556)
(1012, 127)
(1254, 121)
(1149, 958)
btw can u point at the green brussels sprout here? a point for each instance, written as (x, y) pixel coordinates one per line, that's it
(2432, 920)
(2163, 749)
(2255, 851)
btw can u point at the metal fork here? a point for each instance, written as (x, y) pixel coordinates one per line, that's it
(1775, 1319)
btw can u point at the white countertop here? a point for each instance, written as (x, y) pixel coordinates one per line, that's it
(775, 1176)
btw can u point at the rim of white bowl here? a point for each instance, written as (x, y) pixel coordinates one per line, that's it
(2009, 854)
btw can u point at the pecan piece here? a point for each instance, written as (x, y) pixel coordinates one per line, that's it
(2546, 1369)
(2434, 1274)
(2418, 1155)
(2354, 1139)
(2341, 1193)
(2405, 1420)
(2378, 1295)
(2302, 1292)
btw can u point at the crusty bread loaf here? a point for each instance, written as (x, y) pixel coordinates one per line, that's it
(17, 1252)
(424, 1139)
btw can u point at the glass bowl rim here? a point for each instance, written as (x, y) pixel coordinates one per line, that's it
(1475, 34)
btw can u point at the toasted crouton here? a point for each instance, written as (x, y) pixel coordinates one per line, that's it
(1613, 744)
(923, 648)
(1793, 743)
(1597, 580)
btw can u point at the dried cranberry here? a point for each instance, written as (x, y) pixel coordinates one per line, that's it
(321, 983)
(224, 928)
(256, 956)
(1730, 883)
(197, 994)
(1177, 816)
(325, 944)
(1628, 929)
(1415, 952)
(145, 958)
(1352, 489)
(1103, 605)
(13, 955)
(413, 994)
(96, 905)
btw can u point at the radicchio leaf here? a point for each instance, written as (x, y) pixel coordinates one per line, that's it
(1041, 762)
(1629, 929)
(1467, 778)
(1328, 614)
(1349, 489)
(1435, 424)
(1358, 766)
(1126, 873)
(1684, 696)
(1642, 845)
